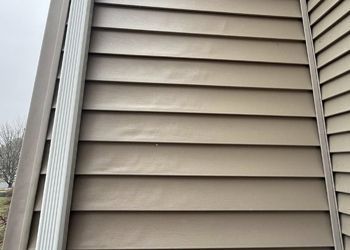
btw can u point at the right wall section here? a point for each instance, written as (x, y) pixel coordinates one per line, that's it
(330, 25)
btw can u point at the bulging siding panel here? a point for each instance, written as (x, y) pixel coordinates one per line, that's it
(144, 159)
(196, 47)
(197, 72)
(194, 99)
(198, 130)
(332, 44)
(184, 22)
(255, 7)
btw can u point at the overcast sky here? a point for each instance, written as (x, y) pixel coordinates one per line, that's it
(22, 25)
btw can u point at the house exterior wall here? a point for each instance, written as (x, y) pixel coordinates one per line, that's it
(198, 130)
(330, 23)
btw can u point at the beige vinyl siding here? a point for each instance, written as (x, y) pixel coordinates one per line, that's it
(336, 86)
(192, 46)
(198, 130)
(313, 4)
(334, 51)
(118, 229)
(196, 194)
(197, 72)
(188, 128)
(99, 158)
(336, 10)
(340, 162)
(204, 23)
(255, 7)
(335, 106)
(344, 203)
(334, 69)
(322, 10)
(331, 34)
(193, 99)
(338, 123)
(339, 29)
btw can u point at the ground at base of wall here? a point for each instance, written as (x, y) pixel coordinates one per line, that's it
(5, 200)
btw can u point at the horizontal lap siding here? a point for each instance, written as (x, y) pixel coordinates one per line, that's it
(197, 72)
(198, 130)
(142, 193)
(255, 7)
(146, 19)
(197, 230)
(331, 32)
(197, 47)
(194, 99)
(100, 158)
(206, 129)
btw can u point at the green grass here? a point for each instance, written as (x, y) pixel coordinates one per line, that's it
(4, 206)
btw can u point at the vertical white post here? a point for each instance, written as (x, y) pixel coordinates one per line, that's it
(327, 165)
(54, 214)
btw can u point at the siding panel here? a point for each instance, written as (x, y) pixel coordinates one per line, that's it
(344, 203)
(337, 105)
(336, 31)
(339, 142)
(345, 224)
(332, 45)
(170, 45)
(333, 15)
(195, 72)
(339, 123)
(100, 158)
(341, 162)
(335, 69)
(176, 128)
(134, 193)
(194, 99)
(346, 242)
(92, 230)
(254, 7)
(196, 23)
(322, 10)
(342, 182)
(336, 86)
(311, 4)
(128, 230)
(341, 47)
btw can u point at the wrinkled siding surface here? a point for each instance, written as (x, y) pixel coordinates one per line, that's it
(198, 130)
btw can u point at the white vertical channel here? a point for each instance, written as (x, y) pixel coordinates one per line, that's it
(54, 214)
(321, 125)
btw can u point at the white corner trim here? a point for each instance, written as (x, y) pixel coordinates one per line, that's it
(322, 133)
(61, 163)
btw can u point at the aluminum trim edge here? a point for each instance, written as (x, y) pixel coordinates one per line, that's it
(61, 162)
(321, 126)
